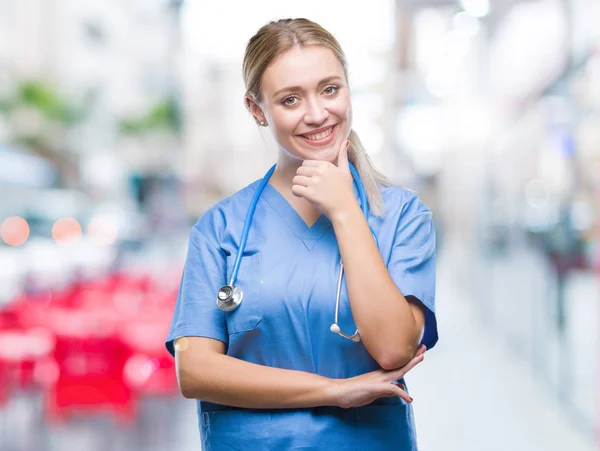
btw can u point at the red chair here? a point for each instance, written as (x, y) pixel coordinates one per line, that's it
(151, 369)
(90, 360)
(24, 354)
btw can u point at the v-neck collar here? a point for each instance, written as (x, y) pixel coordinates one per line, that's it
(309, 236)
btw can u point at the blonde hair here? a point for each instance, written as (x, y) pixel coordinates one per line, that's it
(279, 36)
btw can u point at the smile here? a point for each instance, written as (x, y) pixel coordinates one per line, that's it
(321, 138)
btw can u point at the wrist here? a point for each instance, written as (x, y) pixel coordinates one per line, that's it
(333, 392)
(346, 213)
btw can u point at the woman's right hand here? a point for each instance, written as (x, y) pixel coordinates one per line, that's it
(364, 389)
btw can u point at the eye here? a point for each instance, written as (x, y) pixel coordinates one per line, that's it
(289, 101)
(330, 90)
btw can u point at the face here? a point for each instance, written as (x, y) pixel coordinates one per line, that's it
(306, 102)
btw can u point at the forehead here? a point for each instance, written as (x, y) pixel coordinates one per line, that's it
(301, 66)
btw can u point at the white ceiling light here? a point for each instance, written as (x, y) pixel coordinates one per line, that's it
(476, 8)
(466, 24)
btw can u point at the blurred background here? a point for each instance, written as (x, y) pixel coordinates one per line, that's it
(121, 122)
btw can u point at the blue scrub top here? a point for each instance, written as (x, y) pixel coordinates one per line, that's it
(289, 276)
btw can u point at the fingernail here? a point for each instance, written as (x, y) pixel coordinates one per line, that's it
(411, 398)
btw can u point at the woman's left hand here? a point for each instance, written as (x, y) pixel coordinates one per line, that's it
(325, 185)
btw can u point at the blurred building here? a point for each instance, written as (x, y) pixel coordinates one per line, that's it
(224, 149)
(498, 103)
(125, 118)
(117, 63)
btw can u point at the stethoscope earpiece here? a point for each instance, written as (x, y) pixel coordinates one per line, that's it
(335, 328)
(229, 298)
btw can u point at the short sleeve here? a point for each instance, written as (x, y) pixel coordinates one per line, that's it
(196, 313)
(412, 262)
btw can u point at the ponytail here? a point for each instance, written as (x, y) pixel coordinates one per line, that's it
(371, 178)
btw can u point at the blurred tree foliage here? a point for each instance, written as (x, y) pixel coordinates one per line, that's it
(163, 116)
(40, 118)
(4, 106)
(45, 99)
(50, 103)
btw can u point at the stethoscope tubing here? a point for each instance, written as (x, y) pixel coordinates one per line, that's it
(252, 208)
(229, 297)
(248, 223)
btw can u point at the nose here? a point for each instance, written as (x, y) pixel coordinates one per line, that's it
(316, 113)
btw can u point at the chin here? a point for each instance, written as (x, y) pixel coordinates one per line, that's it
(321, 155)
(328, 153)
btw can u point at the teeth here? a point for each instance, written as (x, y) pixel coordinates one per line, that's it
(318, 136)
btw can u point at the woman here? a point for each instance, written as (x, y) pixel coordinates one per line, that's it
(268, 373)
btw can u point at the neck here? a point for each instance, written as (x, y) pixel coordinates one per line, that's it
(285, 172)
(282, 181)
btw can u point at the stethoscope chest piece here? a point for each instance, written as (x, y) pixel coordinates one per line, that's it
(229, 298)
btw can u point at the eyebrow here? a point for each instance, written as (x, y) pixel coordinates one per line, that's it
(298, 88)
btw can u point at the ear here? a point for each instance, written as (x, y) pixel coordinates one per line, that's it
(254, 109)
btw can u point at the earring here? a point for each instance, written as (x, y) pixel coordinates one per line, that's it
(262, 123)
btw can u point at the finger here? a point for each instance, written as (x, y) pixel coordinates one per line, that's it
(301, 180)
(397, 391)
(413, 362)
(342, 159)
(400, 372)
(300, 191)
(404, 395)
(421, 350)
(313, 163)
(399, 384)
(307, 170)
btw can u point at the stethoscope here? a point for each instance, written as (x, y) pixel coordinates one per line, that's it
(230, 296)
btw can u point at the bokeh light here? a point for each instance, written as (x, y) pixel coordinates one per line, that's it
(537, 194)
(102, 230)
(476, 8)
(14, 231)
(119, 121)
(66, 230)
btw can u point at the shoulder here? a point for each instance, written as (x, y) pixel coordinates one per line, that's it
(408, 216)
(214, 221)
(401, 202)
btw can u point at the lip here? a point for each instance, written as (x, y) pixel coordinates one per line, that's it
(318, 130)
(324, 141)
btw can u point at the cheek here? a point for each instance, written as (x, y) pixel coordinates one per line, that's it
(347, 109)
(284, 125)
(349, 115)
(349, 118)
(344, 112)
(342, 108)
(281, 131)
